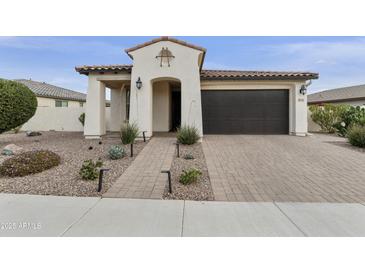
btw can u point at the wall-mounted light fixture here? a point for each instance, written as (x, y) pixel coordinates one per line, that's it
(139, 83)
(303, 90)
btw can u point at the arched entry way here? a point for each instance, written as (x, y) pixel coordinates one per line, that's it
(166, 104)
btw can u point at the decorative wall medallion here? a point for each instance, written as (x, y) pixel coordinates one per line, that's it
(165, 56)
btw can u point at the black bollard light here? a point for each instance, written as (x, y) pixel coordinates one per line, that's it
(144, 135)
(101, 173)
(131, 149)
(178, 150)
(169, 177)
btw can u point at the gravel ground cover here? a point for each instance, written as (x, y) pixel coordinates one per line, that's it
(64, 180)
(199, 191)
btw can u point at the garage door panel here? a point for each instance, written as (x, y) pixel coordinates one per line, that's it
(245, 112)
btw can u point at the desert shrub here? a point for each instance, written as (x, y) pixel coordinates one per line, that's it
(356, 136)
(116, 152)
(188, 157)
(82, 119)
(187, 135)
(190, 176)
(89, 169)
(17, 104)
(129, 133)
(29, 163)
(349, 116)
(327, 116)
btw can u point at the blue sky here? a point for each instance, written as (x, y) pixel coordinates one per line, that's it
(339, 60)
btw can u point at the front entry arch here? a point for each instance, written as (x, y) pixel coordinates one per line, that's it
(166, 104)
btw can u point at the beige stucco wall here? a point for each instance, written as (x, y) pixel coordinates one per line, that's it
(184, 68)
(161, 107)
(50, 102)
(298, 124)
(59, 119)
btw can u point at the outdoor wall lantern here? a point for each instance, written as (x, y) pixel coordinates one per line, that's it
(139, 83)
(303, 90)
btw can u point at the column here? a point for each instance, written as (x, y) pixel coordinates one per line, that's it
(300, 112)
(191, 106)
(116, 109)
(95, 109)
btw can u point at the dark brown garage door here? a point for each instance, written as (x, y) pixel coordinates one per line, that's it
(245, 111)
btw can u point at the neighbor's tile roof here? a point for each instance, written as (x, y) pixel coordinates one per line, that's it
(43, 89)
(165, 38)
(213, 74)
(338, 94)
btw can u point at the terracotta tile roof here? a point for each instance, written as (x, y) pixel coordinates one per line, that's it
(43, 89)
(255, 75)
(215, 74)
(103, 68)
(165, 38)
(338, 94)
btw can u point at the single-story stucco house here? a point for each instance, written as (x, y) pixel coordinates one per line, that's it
(166, 86)
(353, 95)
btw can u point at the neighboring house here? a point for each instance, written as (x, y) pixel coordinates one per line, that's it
(58, 108)
(52, 96)
(166, 87)
(353, 95)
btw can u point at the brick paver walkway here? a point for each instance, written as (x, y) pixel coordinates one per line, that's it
(143, 178)
(319, 168)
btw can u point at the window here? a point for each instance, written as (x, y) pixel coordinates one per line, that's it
(61, 103)
(81, 104)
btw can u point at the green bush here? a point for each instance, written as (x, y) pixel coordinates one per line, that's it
(349, 116)
(356, 136)
(187, 135)
(129, 133)
(190, 176)
(89, 169)
(29, 163)
(116, 152)
(17, 104)
(82, 119)
(327, 116)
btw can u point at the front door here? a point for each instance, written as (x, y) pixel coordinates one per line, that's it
(175, 110)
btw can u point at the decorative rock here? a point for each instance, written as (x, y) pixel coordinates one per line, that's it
(11, 149)
(33, 133)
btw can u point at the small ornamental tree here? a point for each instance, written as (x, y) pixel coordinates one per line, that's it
(327, 116)
(17, 104)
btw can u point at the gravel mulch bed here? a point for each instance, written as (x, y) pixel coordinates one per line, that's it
(199, 191)
(64, 179)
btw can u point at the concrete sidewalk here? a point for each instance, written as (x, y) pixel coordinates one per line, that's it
(30, 215)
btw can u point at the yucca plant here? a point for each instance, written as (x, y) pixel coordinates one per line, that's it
(187, 135)
(129, 133)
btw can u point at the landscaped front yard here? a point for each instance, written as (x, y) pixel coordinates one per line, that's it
(73, 150)
(191, 158)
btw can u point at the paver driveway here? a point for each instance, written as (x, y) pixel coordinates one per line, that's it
(318, 168)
